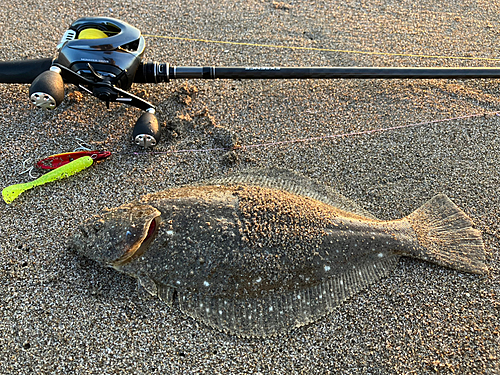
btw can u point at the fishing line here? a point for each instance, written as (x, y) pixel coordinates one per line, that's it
(322, 49)
(329, 136)
(314, 139)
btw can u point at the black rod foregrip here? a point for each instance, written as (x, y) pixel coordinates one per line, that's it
(23, 71)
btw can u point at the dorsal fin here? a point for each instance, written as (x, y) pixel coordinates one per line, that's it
(294, 183)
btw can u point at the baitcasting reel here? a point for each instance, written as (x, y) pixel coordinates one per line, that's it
(101, 56)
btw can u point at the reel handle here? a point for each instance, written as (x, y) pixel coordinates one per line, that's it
(147, 132)
(47, 90)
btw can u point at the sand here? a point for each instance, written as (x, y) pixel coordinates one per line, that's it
(61, 313)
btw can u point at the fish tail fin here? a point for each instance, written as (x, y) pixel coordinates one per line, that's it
(447, 237)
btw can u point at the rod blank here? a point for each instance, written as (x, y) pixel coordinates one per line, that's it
(155, 72)
(332, 72)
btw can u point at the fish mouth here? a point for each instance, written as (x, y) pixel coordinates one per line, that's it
(150, 230)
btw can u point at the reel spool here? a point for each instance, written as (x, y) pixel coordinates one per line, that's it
(102, 49)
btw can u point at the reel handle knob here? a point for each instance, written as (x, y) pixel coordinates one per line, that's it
(147, 132)
(47, 90)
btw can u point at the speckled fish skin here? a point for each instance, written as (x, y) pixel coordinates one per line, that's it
(264, 252)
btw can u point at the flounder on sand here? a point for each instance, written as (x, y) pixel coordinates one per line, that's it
(262, 252)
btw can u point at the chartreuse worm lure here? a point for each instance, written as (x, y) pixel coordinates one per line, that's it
(13, 191)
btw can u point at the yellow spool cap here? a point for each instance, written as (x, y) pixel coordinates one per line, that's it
(91, 34)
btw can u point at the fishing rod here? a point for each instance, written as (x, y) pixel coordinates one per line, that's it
(103, 57)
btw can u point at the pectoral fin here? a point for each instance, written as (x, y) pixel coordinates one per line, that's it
(146, 286)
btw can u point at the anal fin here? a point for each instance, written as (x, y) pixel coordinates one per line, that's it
(276, 313)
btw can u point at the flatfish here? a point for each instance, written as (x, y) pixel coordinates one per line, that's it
(261, 252)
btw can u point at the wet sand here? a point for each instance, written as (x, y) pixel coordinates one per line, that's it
(61, 313)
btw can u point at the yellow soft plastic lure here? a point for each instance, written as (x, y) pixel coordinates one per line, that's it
(12, 192)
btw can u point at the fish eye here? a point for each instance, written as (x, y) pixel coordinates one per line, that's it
(98, 226)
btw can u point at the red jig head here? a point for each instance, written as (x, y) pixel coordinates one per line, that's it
(55, 161)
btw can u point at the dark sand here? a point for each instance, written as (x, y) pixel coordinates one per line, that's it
(60, 313)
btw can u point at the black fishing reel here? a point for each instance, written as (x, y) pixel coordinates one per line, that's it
(101, 56)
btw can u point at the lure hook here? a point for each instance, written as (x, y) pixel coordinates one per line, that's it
(82, 145)
(27, 169)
